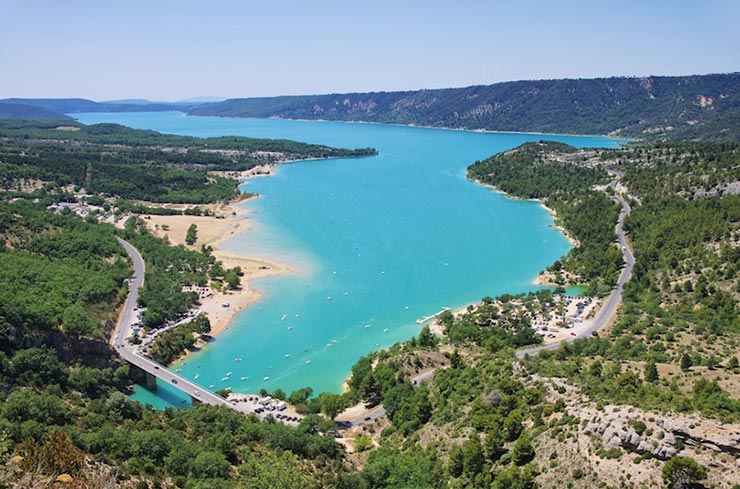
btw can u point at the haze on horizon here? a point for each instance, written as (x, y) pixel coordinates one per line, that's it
(172, 50)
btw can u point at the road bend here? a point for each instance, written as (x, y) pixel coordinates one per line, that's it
(609, 310)
(128, 351)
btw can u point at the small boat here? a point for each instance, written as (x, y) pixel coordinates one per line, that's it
(238, 359)
(287, 355)
(266, 378)
(228, 374)
(284, 316)
(290, 328)
(308, 361)
(386, 330)
(407, 308)
(368, 326)
(328, 297)
(297, 315)
(328, 345)
(211, 386)
(244, 378)
(196, 376)
(224, 379)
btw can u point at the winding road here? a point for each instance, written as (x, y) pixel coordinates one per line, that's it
(128, 351)
(608, 311)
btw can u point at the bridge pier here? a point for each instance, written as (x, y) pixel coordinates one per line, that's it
(151, 382)
(142, 376)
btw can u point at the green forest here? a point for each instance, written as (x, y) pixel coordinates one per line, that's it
(678, 108)
(116, 161)
(461, 410)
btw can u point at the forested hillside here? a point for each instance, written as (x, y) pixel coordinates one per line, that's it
(29, 112)
(65, 420)
(651, 399)
(129, 163)
(71, 105)
(675, 108)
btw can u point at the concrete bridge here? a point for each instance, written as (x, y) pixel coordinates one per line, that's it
(152, 370)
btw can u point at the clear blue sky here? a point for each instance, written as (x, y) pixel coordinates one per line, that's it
(175, 49)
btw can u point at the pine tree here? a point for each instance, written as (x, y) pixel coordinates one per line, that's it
(686, 362)
(651, 371)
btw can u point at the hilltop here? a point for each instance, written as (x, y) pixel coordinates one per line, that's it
(29, 112)
(705, 107)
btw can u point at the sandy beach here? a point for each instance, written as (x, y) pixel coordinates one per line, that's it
(227, 222)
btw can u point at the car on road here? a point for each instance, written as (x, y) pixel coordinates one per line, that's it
(368, 418)
(197, 393)
(156, 367)
(174, 381)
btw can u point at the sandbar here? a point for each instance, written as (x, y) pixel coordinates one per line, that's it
(227, 222)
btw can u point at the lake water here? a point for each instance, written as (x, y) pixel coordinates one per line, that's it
(389, 238)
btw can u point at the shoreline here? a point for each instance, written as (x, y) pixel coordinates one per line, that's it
(229, 221)
(543, 278)
(411, 124)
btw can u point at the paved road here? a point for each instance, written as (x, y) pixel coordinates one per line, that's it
(379, 411)
(128, 352)
(609, 309)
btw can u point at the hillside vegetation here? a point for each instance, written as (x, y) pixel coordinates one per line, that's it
(136, 164)
(676, 108)
(565, 184)
(29, 112)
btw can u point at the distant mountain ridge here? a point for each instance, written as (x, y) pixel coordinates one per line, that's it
(656, 107)
(72, 105)
(29, 112)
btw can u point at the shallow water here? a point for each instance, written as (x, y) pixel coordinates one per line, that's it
(376, 242)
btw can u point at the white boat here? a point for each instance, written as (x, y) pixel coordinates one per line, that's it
(244, 378)
(386, 330)
(284, 316)
(266, 378)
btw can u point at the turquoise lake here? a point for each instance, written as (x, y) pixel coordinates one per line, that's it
(390, 238)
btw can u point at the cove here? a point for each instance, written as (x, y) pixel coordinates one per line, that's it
(376, 243)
